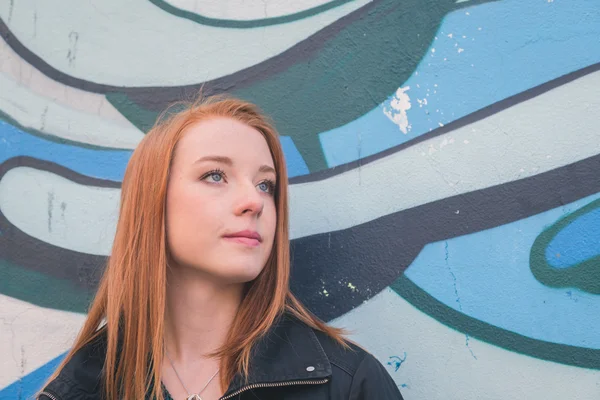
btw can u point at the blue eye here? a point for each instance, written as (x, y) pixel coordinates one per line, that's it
(216, 175)
(267, 186)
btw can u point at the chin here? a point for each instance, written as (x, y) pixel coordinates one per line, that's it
(246, 276)
(242, 273)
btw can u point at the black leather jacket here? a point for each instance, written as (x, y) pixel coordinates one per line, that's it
(292, 362)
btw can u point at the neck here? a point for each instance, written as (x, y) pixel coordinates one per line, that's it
(200, 313)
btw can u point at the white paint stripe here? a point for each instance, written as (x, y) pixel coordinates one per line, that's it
(108, 43)
(440, 366)
(31, 336)
(245, 10)
(58, 211)
(54, 119)
(510, 145)
(554, 129)
(20, 71)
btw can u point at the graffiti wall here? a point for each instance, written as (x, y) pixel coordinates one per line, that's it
(443, 157)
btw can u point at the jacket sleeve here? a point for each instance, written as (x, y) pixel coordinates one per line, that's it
(372, 381)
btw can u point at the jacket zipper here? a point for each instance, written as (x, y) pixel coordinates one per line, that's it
(278, 384)
(53, 397)
(245, 388)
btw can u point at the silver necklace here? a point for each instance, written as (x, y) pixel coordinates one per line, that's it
(191, 396)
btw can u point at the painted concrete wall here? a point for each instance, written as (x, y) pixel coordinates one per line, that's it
(444, 160)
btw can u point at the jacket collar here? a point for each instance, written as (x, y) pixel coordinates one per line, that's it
(289, 352)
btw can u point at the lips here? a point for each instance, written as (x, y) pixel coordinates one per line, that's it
(247, 237)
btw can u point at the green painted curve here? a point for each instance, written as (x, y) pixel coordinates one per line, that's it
(584, 276)
(31, 286)
(560, 353)
(335, 82)
(141, 118)
(238, 24)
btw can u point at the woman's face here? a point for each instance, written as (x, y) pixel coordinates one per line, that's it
(220, 213)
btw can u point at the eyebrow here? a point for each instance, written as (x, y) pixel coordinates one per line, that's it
(229, 162)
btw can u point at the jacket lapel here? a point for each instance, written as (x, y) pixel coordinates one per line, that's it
(290, 352)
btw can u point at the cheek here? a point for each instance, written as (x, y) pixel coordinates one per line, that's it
(192, 223)
(270, 220)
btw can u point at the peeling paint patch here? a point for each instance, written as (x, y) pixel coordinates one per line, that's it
(397, 107)
(446, 141)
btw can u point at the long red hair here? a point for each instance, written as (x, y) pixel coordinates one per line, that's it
(130, 302)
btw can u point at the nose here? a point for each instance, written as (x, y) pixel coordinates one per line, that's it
(249, 201)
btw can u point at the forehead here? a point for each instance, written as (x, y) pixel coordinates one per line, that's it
(223, 137)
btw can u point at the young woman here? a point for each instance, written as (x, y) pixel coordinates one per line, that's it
(195, 302)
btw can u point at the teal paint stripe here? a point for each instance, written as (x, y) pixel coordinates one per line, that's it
(41, 289)
(255, 23)
(584, 275)
(560, 353)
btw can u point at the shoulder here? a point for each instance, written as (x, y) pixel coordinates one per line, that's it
(356, 372)
(81, 376)
(348, 359)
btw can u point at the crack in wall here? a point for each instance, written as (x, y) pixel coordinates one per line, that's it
(72, 53)
(10, 10)
(35, 23)
(50, 207)
(447, 255)
(43, 119)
